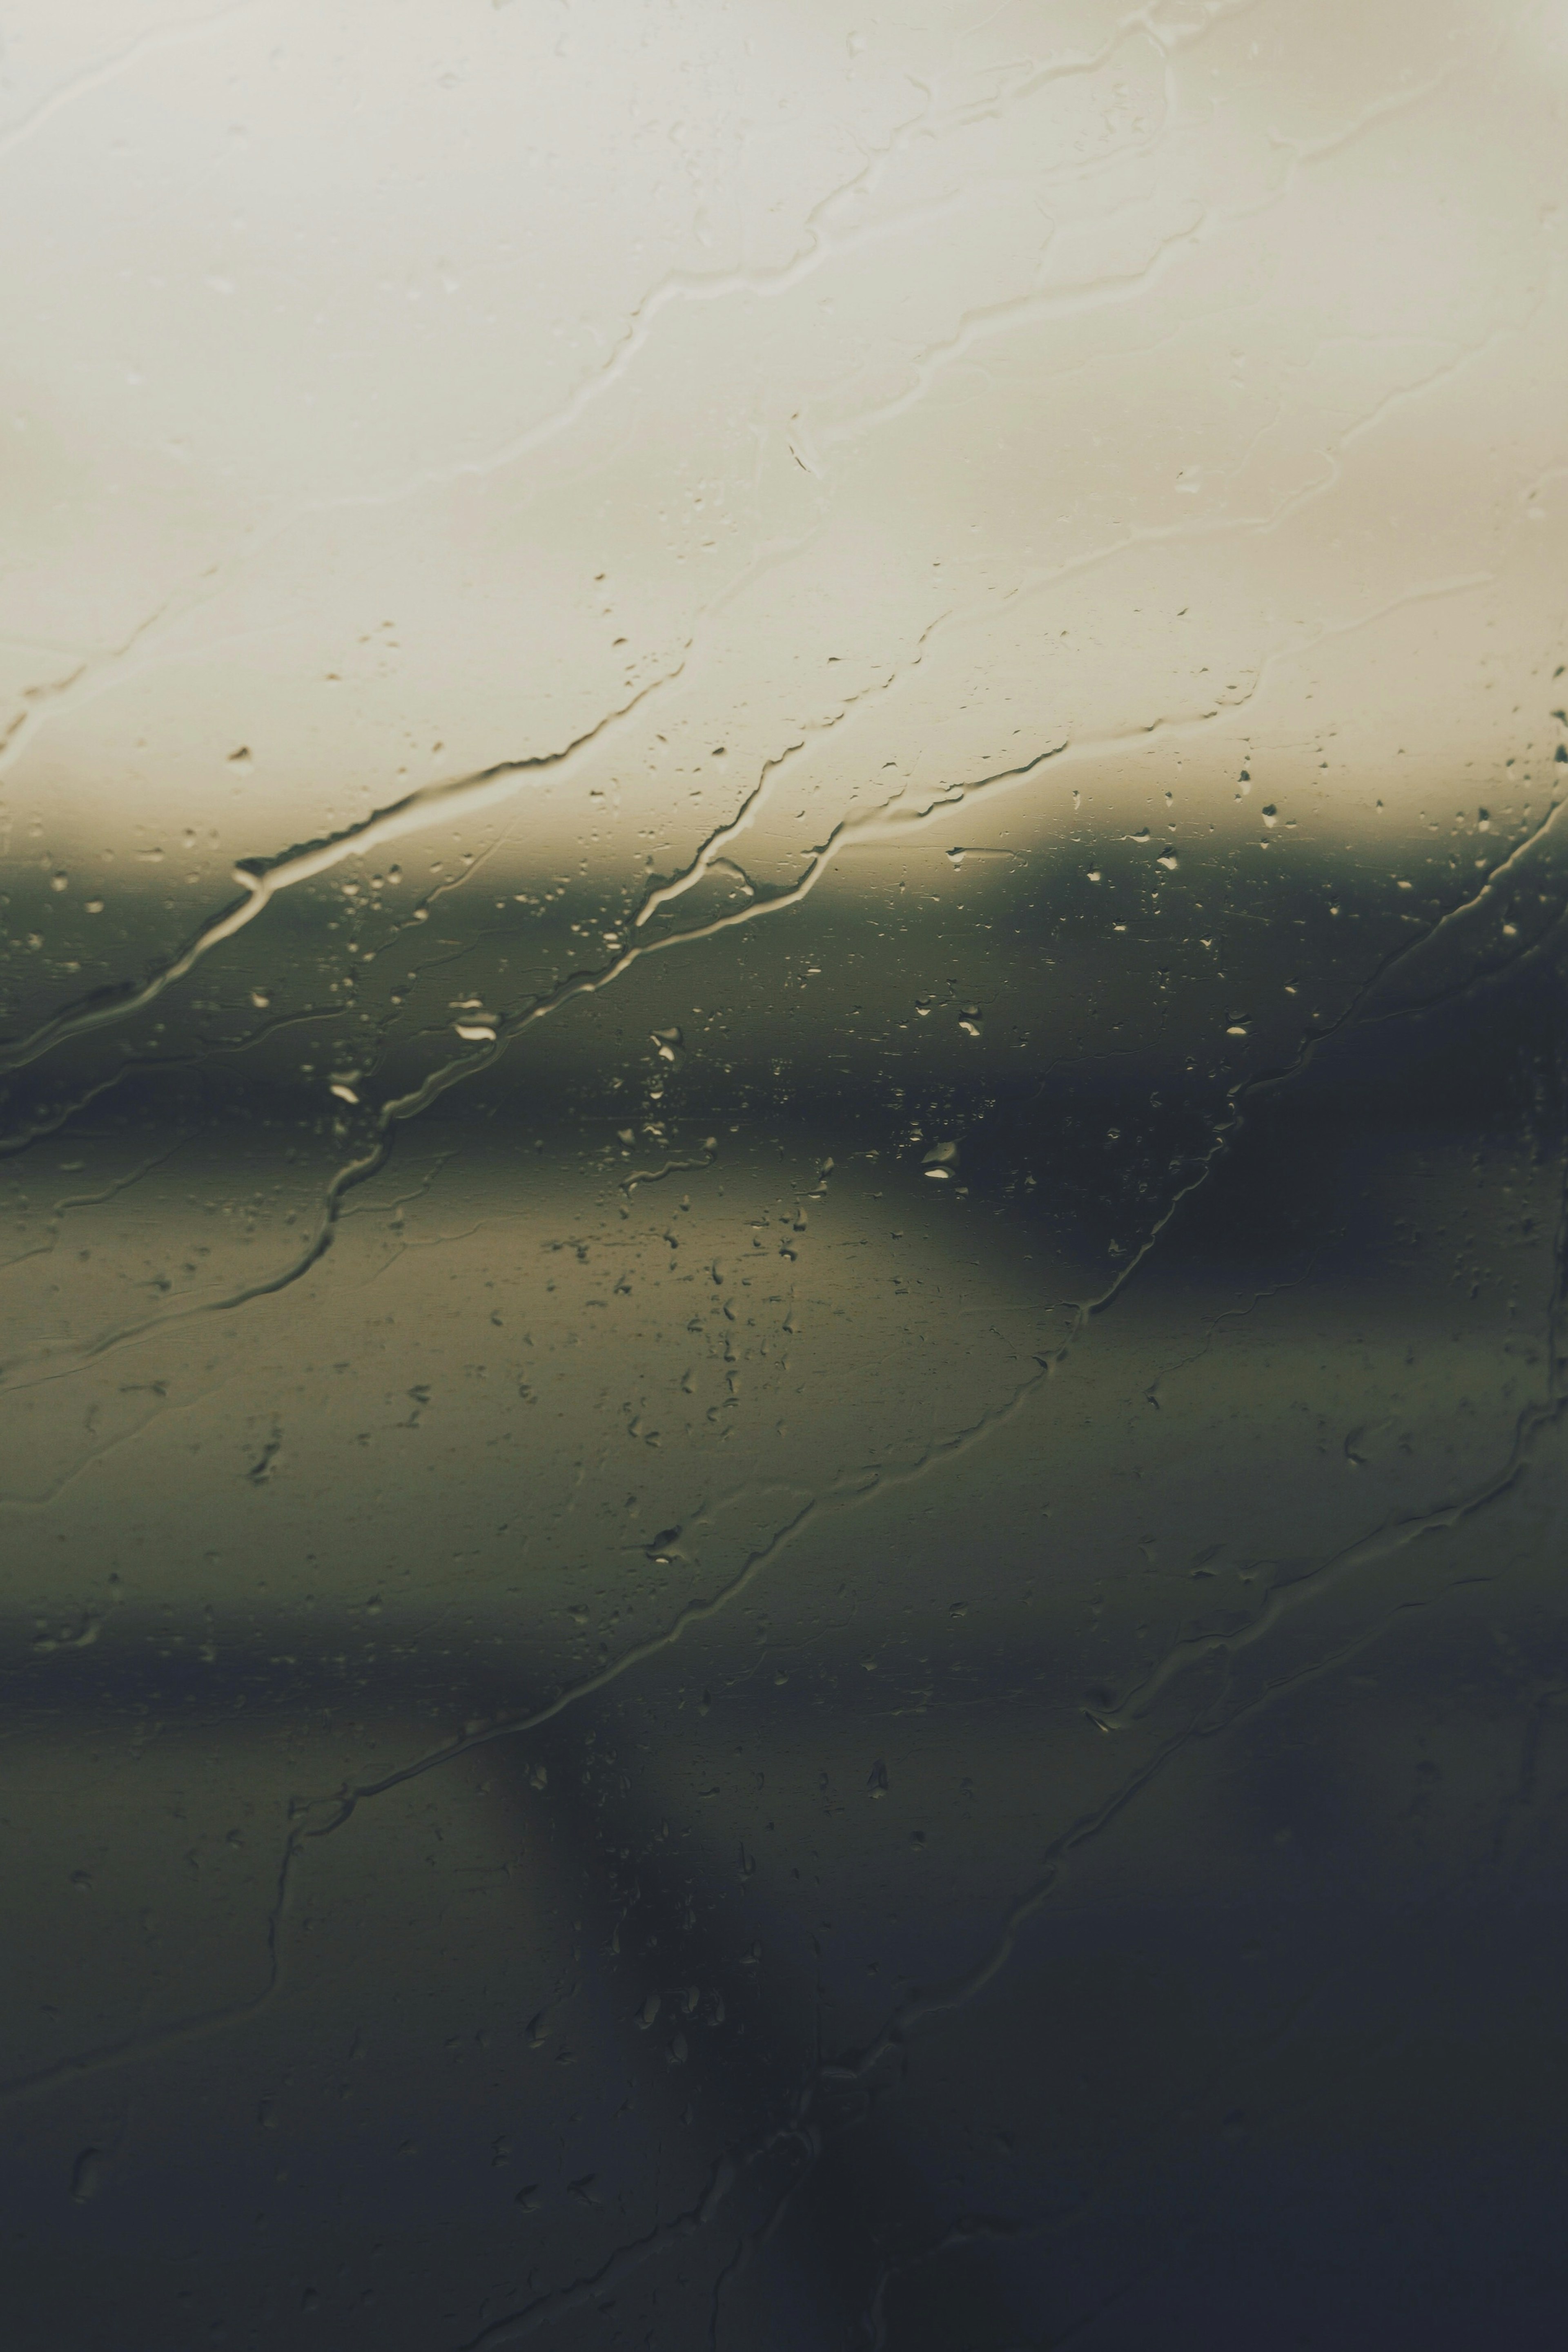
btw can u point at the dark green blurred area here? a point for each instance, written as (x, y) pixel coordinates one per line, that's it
(776, 1672)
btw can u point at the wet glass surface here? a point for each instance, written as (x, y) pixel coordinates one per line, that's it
(781, 1177)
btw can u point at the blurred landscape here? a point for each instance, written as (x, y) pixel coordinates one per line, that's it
(782, 1154)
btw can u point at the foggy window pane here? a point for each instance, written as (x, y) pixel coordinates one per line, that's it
(781, 1166)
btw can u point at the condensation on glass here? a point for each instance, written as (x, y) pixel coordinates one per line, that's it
(782, 1165)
